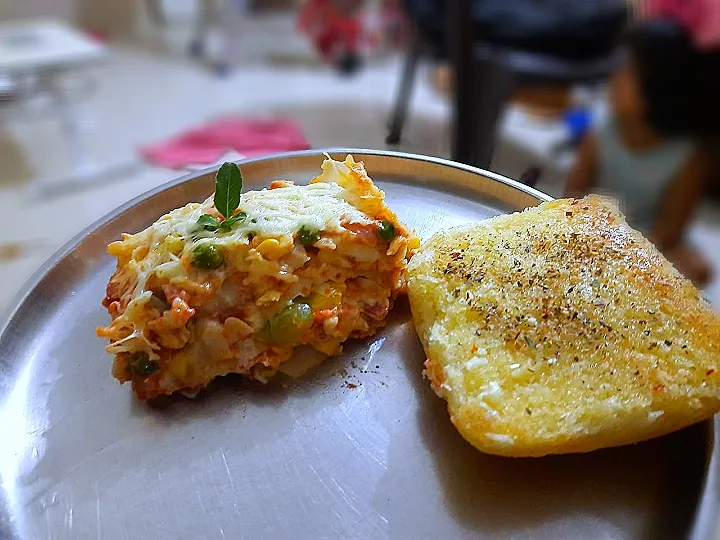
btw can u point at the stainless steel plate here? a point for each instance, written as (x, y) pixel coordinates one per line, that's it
(359, 447)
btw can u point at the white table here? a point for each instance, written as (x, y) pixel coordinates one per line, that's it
(36, 59)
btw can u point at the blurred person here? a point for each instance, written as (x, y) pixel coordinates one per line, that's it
(652, 152)
(336, 30)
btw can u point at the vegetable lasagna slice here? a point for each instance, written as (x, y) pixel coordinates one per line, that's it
(236, 283)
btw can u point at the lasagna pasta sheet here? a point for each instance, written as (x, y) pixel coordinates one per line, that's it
(308, 265)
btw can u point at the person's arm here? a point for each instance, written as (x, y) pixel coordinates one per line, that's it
(583, 175)
(680, 200)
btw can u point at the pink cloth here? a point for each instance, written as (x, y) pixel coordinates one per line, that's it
(700, 17)
(206, 144)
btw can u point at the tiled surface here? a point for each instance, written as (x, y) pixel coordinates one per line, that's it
(144, 96)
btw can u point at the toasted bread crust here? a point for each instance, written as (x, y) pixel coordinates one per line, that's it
(560, 329)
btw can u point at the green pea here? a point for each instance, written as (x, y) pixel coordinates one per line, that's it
(308, 236)
(207, 257)
(386, 231)
(287, 327)
(141, 365)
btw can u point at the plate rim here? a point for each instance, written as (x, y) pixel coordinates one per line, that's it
(705, 526)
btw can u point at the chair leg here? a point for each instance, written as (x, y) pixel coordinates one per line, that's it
(481, 88)
(402, 102)
(460, 48)
(492, 85)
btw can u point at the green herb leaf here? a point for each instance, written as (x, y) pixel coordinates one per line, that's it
(228, 185)
(208, 222)
(232, 220)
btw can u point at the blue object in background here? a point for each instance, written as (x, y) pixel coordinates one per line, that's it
(578, 121)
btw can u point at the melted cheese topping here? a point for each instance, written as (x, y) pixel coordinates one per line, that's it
(284, 211)
(272, 213)
(320, 206)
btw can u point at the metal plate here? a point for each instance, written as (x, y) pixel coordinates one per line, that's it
(359, 447)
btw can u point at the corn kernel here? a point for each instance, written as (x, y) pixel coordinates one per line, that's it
(178, 366)
(326, 299)
(414, 243)
(272, 249)
(330, 347)
(174, 244)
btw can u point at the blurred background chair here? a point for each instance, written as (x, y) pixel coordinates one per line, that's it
(496, 48)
